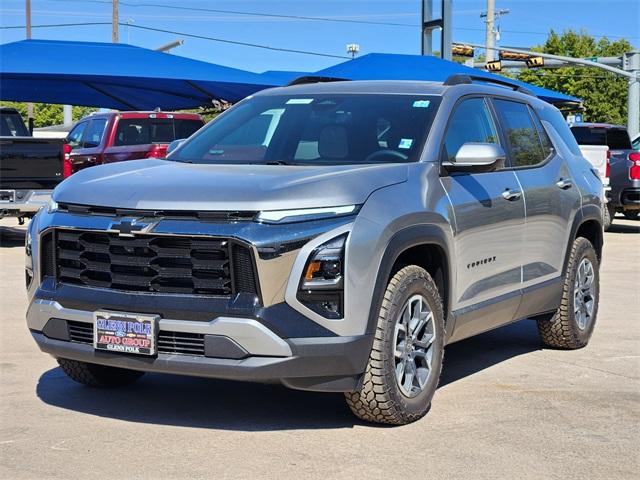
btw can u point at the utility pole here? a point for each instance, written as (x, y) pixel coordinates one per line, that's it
(489, 41)
(631, 64)
(114, 22)
(29, 105)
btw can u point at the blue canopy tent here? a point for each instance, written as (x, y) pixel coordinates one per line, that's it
(117, 76)
(383, 66)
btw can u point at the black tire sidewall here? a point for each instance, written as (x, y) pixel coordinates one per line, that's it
(584, 250)
(417, 282)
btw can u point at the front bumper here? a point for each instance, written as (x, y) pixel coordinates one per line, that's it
(312, 363)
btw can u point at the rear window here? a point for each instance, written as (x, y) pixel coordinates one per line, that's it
(142, 131)
(11, 126)
(614, 138)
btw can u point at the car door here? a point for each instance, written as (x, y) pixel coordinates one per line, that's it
(551, 199)
(89, 152)
(489, 211)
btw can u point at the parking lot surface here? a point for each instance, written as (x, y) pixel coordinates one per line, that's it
(505, 408)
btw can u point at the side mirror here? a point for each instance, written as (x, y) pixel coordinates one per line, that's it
(478, 156)
(175, 144)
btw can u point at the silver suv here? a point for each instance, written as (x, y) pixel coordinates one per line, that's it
(330, 236)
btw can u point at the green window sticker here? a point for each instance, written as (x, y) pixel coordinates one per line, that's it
(405, 143)
(421, 103)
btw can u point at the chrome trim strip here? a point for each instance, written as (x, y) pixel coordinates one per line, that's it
(254, 337)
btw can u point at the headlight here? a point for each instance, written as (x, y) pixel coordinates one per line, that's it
(52, 206)
(305, 214)
(322, 285)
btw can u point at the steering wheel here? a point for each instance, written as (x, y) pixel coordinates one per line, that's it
(377, 155)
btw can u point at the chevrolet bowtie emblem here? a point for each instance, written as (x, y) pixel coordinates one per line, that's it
(127, 227)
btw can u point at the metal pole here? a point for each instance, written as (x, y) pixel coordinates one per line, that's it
(447, 28)
(114, 22)
(577, 61)
(427, 37)
(29, 105)
(490, 39)
(632, 64)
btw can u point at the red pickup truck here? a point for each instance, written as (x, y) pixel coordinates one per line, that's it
(119, 136)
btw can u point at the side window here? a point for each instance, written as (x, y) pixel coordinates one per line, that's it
(545, 141)
(75, 135)
(94, 134)
(470, 122)
(559, 124)
(522, 135)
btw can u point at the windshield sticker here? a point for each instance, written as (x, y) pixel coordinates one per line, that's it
(421, 103)
(405, 143)
(299, 101)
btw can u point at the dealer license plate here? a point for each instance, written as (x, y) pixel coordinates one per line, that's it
(125, 332)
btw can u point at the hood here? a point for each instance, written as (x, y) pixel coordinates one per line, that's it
(167, 185)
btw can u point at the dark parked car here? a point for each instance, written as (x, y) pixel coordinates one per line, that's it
(118, 136)
(30, 167)
(623, 168)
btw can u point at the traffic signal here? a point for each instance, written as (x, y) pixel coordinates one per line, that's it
(462, 51)
(533, 62)
(520, 57)
(494, 66)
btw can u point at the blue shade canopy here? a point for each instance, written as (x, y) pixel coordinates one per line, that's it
(383, 66)
(117, 76)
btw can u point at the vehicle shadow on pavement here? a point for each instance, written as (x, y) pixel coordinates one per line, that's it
(624, 228)
(219, 404)
(464, 358)
(12, 237)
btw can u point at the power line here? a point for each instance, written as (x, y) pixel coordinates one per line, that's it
(256, 14)
(322, 19)
(192, 35)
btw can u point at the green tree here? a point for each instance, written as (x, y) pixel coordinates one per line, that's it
(46, 114)
(604, 94)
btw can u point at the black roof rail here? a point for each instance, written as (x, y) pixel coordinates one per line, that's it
(464, 78)
(314, 79)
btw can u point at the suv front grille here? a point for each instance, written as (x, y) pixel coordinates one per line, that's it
(151, 263)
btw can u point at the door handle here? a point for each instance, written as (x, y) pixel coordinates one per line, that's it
(511, 195)
(92, 159)
(564, 184)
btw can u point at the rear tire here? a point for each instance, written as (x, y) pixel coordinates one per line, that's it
(405, 362)
(95, 375)
(607, 216)
(631, 214)
(573, 323)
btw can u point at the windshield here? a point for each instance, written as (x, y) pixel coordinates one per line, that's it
(315, 130)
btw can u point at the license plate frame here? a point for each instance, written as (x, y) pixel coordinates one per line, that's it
(125, 332)
(7, 196)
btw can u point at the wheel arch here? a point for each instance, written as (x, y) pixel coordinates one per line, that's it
(422, 245)
(587, 224)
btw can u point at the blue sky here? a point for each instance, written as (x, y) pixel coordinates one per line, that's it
(527, 24)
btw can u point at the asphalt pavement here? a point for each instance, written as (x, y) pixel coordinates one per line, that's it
(506, 407)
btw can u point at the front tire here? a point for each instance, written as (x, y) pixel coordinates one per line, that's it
(95, 375)
(631, 214)
(406, 359)
(573, 323)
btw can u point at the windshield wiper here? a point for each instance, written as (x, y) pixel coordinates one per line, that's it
(277, 162)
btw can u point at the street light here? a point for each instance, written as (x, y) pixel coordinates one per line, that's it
(353, 49)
